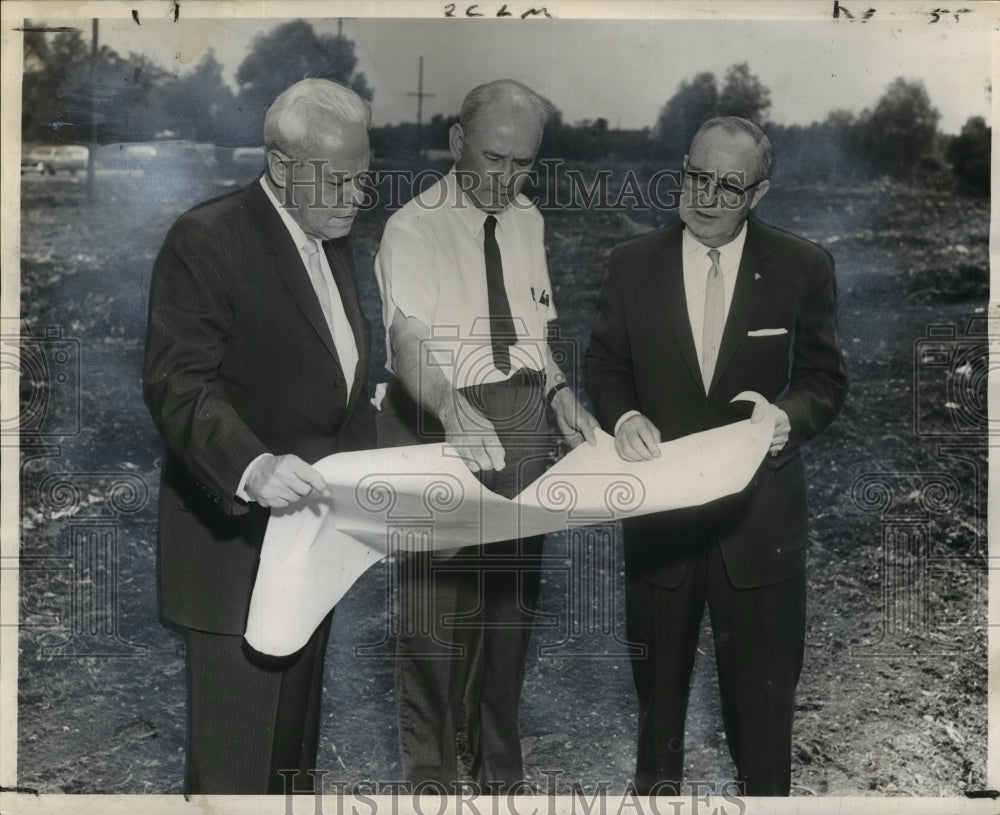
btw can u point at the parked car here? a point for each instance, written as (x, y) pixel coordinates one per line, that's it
(179, 157)
(52, 158)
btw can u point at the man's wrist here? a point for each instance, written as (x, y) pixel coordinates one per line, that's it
(241, 489)
(624, 418)
(551, 394)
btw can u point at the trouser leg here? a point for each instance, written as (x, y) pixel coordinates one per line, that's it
(759, 641)
(666, 623)
(510, 583)
(249, 716)
(490, 593)
(433, 656)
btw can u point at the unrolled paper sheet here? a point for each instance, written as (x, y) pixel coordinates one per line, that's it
(424, 497)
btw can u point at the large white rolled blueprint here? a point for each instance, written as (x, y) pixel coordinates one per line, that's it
(424, 497)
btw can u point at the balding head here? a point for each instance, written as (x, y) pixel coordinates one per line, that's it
(507, 95)
(495, 141)
(739, 128)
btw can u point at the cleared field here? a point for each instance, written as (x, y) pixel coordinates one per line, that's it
(893, 695)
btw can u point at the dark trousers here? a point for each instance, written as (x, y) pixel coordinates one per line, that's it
(251, 716)
(465, 620)
(759, 638)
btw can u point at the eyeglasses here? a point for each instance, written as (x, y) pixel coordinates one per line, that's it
(711, 182)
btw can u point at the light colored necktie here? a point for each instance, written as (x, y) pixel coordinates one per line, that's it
(715, 319)
(333, 310)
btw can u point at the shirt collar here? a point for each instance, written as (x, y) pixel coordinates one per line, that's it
(729, 253)
(298, 234)
(468, 213)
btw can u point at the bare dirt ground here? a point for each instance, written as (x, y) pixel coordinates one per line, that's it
(893, 697)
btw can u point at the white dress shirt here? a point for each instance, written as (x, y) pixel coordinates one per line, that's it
(431, 266)
(696, 266)
(331, 304)
(336, 318)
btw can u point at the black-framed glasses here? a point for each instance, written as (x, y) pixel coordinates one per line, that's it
(711, 181)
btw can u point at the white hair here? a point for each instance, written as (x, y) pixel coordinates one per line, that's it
(310, 114)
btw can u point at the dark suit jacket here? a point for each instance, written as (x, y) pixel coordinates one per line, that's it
(642, 357)
(239, 362)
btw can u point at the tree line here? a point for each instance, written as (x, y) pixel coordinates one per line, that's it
(69, 94)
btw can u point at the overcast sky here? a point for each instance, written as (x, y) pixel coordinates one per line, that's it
(622, 70)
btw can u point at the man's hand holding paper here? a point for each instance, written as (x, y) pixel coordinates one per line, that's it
(311, 556)
(575, 423)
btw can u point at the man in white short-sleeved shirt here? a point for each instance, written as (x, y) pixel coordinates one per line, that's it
(430, 268)
(467, 305)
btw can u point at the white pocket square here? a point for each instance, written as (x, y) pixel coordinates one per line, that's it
(767, 332)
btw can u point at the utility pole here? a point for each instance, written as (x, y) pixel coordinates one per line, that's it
(93, 113)
(420, 106)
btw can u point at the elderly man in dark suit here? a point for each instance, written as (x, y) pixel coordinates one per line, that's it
(688, 317)
(256, 367)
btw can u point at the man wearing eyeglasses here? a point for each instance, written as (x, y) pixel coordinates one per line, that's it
(688, 317)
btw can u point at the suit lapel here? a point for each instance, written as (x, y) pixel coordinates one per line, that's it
(750, 282)
(341, 261)
(675, 298)
(283, 259)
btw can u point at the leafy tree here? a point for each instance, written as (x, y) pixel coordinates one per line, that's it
(48, 64)
(291, 52)
(127, 89)
(824, 151)
(435, 134)
(744, 95)
(699, 98)
(969, 154)
(65, 91)
(199, 105)
(695, 101)
(900, 130)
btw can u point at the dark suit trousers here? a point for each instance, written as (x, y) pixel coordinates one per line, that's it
(465, 620)
(759, 639)
(250, 716)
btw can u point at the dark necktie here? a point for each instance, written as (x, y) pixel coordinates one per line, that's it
(502, 331)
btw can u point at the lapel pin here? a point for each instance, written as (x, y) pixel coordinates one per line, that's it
(756, 275)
